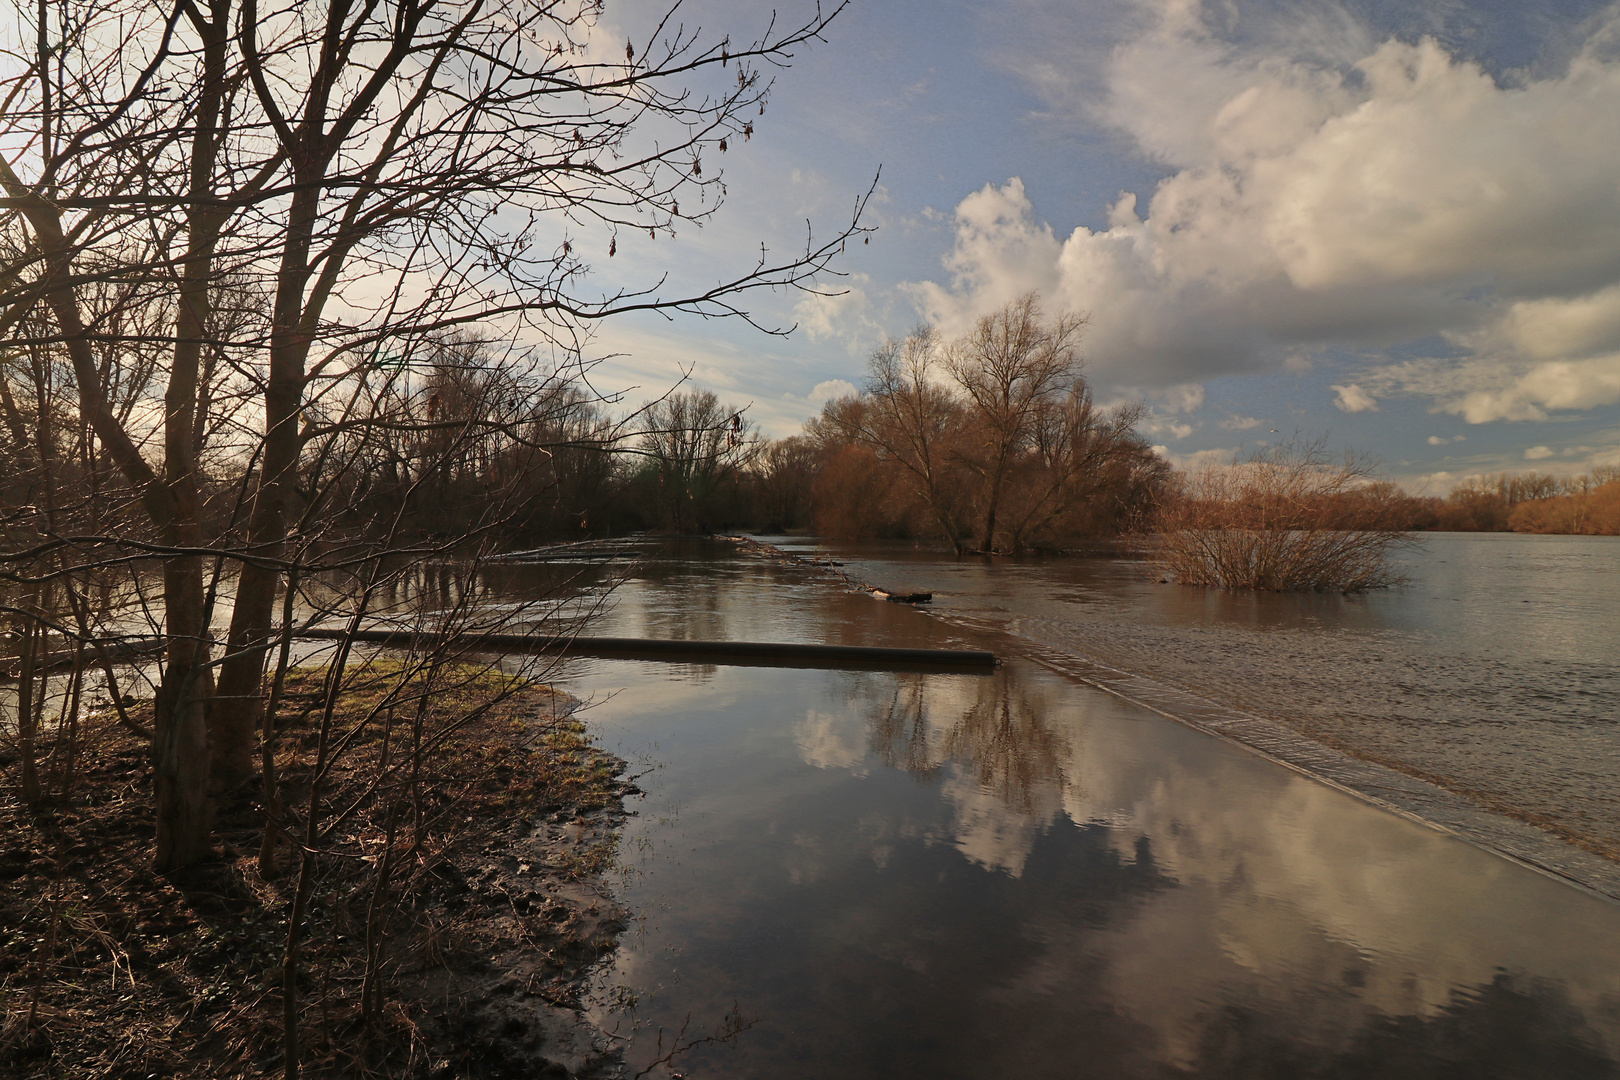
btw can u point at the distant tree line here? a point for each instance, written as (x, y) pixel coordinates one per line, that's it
(988, 443)
(1504, 502)
(1529, 502)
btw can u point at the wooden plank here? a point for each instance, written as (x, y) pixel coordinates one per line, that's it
(747, 653)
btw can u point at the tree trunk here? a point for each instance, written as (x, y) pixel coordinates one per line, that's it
(233, 721)
(180, 733)
(988, 547)
(26, 713)
(180, 743)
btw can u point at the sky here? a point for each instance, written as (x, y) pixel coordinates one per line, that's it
(1398, 229)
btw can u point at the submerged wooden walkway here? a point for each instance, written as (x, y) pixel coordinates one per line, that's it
(739, 653)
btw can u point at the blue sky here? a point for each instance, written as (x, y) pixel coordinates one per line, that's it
(1397, 228)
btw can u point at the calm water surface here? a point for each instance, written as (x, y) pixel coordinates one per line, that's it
(1495, 673)
(901, 875)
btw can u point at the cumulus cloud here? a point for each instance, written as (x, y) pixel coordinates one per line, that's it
(1152, 424)
(829, 389)
(1328, 188)
(840, 310)
(1182, 398)
(1353, 399)
(1240, 423)
(1536, 453)
(1500, 385)
(1200, 459)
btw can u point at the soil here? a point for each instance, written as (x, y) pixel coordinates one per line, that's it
(493, 913)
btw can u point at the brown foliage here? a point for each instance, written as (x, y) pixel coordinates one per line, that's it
(990, 442)
(853, 495)
(1550, 504)
(1587, 513)
(1288, 518)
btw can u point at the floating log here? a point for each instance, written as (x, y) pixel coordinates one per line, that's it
(736, 653)
(823, 562)
(904, 598)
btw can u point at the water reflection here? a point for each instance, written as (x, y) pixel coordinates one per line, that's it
(1491, 675)
(1507, 1027)
(934, 875)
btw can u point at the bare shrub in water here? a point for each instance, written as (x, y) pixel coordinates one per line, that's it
(1290, 517)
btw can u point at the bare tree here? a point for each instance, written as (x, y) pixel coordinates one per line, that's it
(1013, 367)
(996, 432)
(382, 172)
(783, 474)
(1079, 461)
(698, 448)
(910, 419)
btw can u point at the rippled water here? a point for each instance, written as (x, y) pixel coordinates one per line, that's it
(1495, 673)
(1018, 874)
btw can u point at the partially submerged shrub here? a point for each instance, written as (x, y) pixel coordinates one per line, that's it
(1290, 517)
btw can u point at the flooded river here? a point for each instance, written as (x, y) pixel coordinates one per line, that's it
(1491, 678)
(862, 874)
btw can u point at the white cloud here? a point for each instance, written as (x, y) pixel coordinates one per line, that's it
(1327, 188)
(1156, 422)
(1240, 423)
(830, 741)
(1199, 459)
(1501, 385)
(1554, 327)
(838, 310)
(1182, 398)
(1435, 481)
(1441, 440)
(831, 388)
(1353, 399)
(1536, 453)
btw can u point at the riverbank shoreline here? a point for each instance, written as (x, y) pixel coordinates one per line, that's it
(487, 935)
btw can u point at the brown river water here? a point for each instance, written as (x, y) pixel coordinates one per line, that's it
(1038, 872)
(1177, 833)
(1493, 676)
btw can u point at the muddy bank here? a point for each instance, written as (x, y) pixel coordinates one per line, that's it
(466, 957)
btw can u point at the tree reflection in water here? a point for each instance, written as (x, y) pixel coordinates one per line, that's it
(998, 735)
